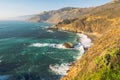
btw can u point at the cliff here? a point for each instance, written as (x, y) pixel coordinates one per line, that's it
(95, 22)
(102, 60)
(98, 20)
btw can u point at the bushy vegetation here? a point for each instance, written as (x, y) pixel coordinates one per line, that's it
(109, 67)
(101, 61)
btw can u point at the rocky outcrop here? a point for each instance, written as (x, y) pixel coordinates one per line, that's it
(68, 45)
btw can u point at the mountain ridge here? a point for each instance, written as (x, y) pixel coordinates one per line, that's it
(55, 16)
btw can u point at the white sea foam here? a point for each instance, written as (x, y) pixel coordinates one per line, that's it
(1, 58)
(86, 42)
(64, 67)
(60, 69)
(60, 46)
(50, 31)
(81, 49)
(4, 77)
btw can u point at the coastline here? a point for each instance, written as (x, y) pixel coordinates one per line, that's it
(92, 35)
(84, 42)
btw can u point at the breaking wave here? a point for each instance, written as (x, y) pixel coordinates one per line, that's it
(60, 46)
(60, 69)
(84, 40)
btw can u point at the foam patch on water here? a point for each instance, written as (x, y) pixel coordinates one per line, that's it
(81, 49)
(64, 67)
(1, 58)
(86, 42)
(4, 77)
(60, 46)
(60, 69)
(50, 31)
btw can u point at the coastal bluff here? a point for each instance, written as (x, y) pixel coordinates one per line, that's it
(102, 60)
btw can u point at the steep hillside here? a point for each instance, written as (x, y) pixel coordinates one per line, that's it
(99, 20)
(102, 60)
(56, 16)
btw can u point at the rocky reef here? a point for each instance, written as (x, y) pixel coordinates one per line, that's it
(68, 45)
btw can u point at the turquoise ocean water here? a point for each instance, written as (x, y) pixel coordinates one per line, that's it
(25, 53)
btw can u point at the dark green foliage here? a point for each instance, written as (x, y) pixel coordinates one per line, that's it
(108, 72)
(107, 59)
(66, 21)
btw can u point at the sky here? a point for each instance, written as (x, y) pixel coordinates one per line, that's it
(14, 8)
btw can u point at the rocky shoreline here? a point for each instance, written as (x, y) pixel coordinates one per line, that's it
(93, 35)
(84, 42)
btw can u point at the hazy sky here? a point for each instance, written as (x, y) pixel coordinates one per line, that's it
(12, 8)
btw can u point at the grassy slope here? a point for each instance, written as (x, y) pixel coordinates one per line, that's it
(102, 60)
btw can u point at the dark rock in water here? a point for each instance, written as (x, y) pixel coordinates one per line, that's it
(51, 28)
(68, 45)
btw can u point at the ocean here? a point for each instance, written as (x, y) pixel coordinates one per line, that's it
(28, 51)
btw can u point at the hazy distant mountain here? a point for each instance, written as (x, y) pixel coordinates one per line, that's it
(56, 16)
(23, 17)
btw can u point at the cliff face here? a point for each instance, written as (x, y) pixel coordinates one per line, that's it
(56, 16)
(102, 60)
(98, 20)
